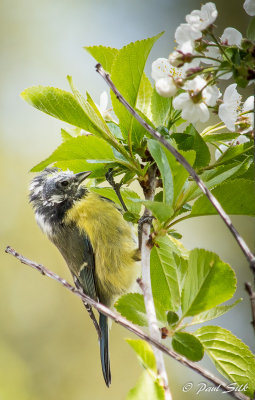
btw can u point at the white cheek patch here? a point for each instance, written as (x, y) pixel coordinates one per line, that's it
(43, 224)
(57, 198)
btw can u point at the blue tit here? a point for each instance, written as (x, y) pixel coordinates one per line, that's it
(91, 234)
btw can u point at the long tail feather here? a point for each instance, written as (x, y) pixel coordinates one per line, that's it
(104, 349)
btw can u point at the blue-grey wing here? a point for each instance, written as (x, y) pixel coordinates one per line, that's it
(86, 275)
(77, 250)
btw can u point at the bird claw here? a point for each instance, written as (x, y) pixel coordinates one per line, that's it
(145, 219)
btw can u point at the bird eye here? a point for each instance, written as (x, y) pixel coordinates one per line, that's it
(64, 183)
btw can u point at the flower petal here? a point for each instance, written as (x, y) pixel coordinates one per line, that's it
(180, 100)
(248, 105)
(103, 101)
(160, 69)
(211, 94)
(185, 37)
(249, 6)
(231, 36)
(200, 20)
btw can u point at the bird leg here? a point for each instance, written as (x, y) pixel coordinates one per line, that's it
(94, 320)
(145, 219)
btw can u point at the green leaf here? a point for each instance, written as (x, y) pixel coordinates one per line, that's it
(127, 195)
(115, 130)
(161, 159)
(213, 313)
(98, 170)
(161, 108)
(188, 346)
(64, 106)
(191, 140)
(130, 217)
(165, 279)
(132, 307)
(82, 148)
(65, 135)
(161, 211)
(209, 281)
(143, 102)
(172, 317)
(251, 30)
(235, 151)
(180, 174)
(232, 358)
(146, 388)
(104, 55)
(216, 176)
(127, 75)
(236, 197)
(173, 233)
(144, 353)
(182, 267)
(219, 137)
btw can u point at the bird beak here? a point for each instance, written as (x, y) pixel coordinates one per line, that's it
(81, 176)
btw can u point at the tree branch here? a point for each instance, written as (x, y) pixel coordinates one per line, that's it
(126, 324)
(244, 247)
(145, 283)
(251, 294)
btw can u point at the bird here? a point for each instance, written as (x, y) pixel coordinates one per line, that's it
(90, 232)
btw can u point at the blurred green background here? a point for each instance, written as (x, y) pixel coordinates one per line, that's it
(48, 347)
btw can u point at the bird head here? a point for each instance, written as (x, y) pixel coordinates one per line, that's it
(54, 186)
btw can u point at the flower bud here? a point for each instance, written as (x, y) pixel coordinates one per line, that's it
(166, 87)
(176, 59)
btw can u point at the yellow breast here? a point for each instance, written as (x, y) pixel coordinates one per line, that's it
(112, 241)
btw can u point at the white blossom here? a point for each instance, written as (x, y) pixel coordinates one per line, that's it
(210, 93)
(247, 120)
(164, 74)
(196, 110)
(228, 110)
(166, 87)
(185, 37)
(249, 6)
(200, 19)
(161, 68)
(231, 36)
(191, 111)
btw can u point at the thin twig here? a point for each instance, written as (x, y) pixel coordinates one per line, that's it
(126, 324)
(145, 283)
(251, 294)
(116, 187)
(246, 250)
